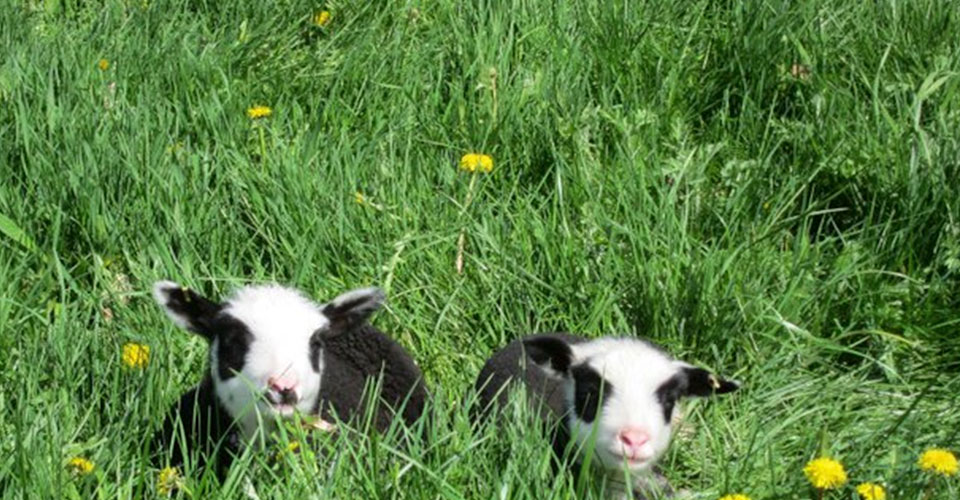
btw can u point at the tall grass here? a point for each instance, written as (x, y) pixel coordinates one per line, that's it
(766, 188)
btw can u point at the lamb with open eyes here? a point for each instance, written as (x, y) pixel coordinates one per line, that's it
(273, 353)
(618, 393)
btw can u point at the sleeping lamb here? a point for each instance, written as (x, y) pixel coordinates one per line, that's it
(613, 397)
(273, 353)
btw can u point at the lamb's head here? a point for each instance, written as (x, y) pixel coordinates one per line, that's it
(266, 343)
(621, 395)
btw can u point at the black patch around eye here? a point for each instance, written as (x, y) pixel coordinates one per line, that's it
(669, 393)
(233, 343)
(588, 388)
(316, 344)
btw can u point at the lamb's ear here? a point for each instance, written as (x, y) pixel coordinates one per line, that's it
(702, 383)
(353, 308)
(551, 354)
(186, 308)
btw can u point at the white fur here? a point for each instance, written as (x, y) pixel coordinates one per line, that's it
(281, 321)
(635, 370)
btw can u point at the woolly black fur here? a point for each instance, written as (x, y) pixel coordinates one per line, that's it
(358, 357)
(512, 365)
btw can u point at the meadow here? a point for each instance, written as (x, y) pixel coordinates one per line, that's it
(767, 189)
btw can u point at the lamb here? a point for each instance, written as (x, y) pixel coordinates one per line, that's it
(620, 394)
(274, 353)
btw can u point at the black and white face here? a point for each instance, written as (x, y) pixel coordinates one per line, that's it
(621, 395)
(265, 343)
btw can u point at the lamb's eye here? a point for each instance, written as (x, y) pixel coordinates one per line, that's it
(316, 344)
(588, 389)
(233, 341)
(667, 395)
(668, 407)
(231, 354)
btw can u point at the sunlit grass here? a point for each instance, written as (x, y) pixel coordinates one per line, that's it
(766, 189)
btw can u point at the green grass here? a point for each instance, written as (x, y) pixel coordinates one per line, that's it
(658, 171)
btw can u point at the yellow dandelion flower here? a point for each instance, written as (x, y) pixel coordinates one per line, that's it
(292, 447)
(871, 491)
(939, 461)
(321, 18)
(258, 112)
(359, 198)
(136, 355)
(175, 147)
(473, 162)
(825, 473)
(469, 162)
(103, 64)
(168, 480)
(80, 466)
(736, 496)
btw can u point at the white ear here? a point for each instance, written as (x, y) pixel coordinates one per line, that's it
(186, 308)
(353, 308)
(362, 298)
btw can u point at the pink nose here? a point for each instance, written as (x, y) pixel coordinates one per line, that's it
(632, 440)
(282, 384)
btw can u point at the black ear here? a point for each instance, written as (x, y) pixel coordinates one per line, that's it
(353, 308)
(702, 383)
(187, 308)
(551, 354)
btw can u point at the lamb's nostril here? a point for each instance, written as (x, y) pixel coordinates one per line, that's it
(633, 438)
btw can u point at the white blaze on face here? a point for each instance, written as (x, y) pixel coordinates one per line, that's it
(281, 323)
(629, 427)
